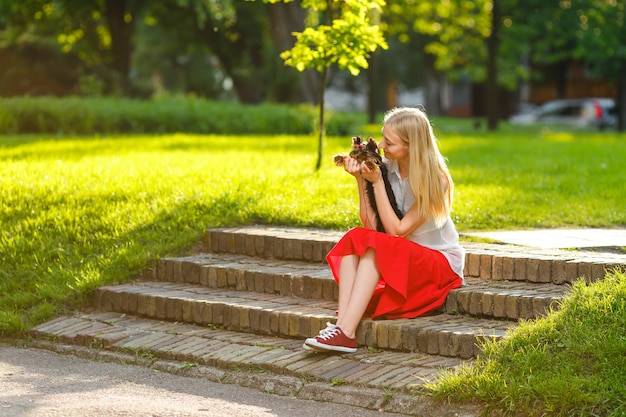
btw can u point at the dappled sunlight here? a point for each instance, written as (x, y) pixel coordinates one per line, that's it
(558, 136)
(79, 213)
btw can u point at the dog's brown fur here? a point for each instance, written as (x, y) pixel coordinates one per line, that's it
(370, 154)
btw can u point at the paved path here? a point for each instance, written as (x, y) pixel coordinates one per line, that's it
(559, 238)
(39, 383)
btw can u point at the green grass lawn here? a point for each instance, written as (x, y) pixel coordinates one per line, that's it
(81, 212)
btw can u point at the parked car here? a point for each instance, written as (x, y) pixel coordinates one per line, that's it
(583, 112)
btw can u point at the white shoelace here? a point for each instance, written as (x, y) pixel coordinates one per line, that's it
(330, 327)
(329, 333)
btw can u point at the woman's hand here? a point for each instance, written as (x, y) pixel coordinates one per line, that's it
(372, 175)
(352, 166)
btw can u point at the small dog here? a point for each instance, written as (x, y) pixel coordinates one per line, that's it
(370, 154)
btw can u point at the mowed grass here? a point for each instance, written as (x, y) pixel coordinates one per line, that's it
(569, 363)
(82, 212)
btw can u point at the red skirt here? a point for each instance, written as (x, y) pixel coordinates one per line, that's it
(414, 280)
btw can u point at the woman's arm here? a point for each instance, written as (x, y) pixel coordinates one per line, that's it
(393, 225)
(365, 211)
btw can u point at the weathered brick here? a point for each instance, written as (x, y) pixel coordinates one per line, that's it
(250, 249)
(497, 266)
(307, 250)
(525, 307)
(198, 312)
(520, 269)
(584, 270)
(485, 266)
(283, 324)
(178, 309)
(545, 271)
(259, 245)
(150, 306)
(318, 253)
(499, 305)
(463, 302)
(598, 271)
(297, 286)
(204, 276)
(475, 306)
(141, 304)
(571, 271)
(466, 345)
(244, 319)
(212, 278)
(487, 304)
(160, 305)
(474, 265)
(239, 244)
(328, 292)
(217, 313)
(508, 268)
(286, 285)
(259, 282)
(190, 272)
(297, 249)
(288, 249)
(187, 311)
(232, 275)
(304, 326)
(222, 278)
(254, 319)
(451, 302)
(395, 335)
(268, 283)
(264, 322)
(512, 309)
(558, 272)
(382, 334)
(532, 270)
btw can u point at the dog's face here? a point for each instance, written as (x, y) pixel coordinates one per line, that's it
(367, 152)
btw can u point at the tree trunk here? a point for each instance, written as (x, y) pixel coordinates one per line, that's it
(286, 18)
(322, 127)
(376, 89)
(491, 84)
(432, 87)
(621, 100)
(121, 32)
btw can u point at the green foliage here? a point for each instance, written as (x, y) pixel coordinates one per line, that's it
(347, 41)
(570, 363)
(163, 115)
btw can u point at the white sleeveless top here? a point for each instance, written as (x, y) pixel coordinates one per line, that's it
(444, 239)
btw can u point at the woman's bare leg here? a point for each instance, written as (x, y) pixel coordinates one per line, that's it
(365, 281)
(347, 275)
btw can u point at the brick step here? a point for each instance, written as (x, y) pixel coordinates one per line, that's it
(268, 314)
(310, 280)
(486, 261)
(228, 350)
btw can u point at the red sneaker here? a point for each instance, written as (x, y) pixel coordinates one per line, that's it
(334, 340)
(329, 326)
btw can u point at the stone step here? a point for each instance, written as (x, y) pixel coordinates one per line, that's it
(486, 261)
(313, 280)
(443, 334)
(371, 378)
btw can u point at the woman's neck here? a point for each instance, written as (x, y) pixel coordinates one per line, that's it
(403, 168)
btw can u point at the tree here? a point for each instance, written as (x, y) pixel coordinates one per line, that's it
(338, 32)
(601, 34)
(454, 34)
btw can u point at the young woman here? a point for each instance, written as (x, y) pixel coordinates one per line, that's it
(409, 270)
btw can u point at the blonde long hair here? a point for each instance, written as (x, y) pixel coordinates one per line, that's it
(429, 177)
